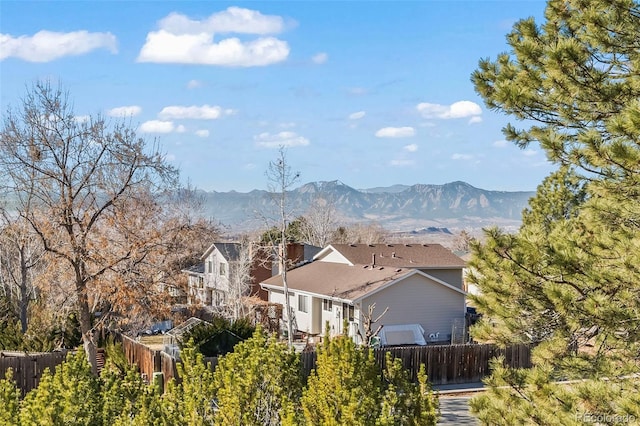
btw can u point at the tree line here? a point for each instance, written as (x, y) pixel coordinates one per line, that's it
(259, 383)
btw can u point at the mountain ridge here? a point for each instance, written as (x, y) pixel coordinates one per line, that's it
(397, 208)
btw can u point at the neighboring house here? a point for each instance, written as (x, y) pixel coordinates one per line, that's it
(209, 281)
(417, 284)
(224, 264)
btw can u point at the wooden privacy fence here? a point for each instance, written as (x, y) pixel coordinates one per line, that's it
(147, 359)
(28, 368)
(447, 363)
(454, 363)
(150, 361)
(444, 364)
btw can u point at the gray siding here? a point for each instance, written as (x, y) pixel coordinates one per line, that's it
(450, 276)
(418, 300)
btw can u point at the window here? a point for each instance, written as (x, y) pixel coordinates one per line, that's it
(302, 303)
(209, 267)
(347, 312)
(223, 269)
(327, 305)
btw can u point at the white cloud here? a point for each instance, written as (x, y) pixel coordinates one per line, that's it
(401, 163)
(411, 148)
(396, 132)
(204, 112)
(194, 84)
(461, 156)
(232, 20)
(285, 139)
(500, 144)
(170, 157)
(181, 129)
(45, 46)
(320, 58)
(529, 152)
(475, 119)
(202, 133)
(180, 39)
(460, 109)
(164, 47)
(157, 126)
(357, 115)
(82, 118)
(125, 111)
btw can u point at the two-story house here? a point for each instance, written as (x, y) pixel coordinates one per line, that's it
(209, 281)
(233, 264)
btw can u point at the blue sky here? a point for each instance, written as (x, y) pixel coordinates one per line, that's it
(370, 93)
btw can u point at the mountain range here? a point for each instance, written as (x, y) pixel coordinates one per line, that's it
(398, 208)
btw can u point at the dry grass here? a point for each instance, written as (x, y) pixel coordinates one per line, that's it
(153, 342)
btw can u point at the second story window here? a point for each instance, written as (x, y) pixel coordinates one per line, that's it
(223, 269)
(302, 303)
(327, 305)
(209, 267)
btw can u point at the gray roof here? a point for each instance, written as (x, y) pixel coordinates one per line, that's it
(338, 280)
(195, 269)
(230, 251)
(400, 255)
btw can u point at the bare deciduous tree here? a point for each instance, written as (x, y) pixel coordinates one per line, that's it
(20, 253)
(240, 281)
(368, 322)
(319, 224)
(281, 180)
(371, 233)
(93, 186)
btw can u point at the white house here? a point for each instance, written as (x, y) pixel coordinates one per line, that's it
(209, 280)
(415, 283)
(225, 264)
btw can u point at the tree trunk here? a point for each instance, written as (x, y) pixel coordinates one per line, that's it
(24, 293)
(85, 327)
(287, 304)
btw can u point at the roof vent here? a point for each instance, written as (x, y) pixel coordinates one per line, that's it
(372, 245)
(389, 245)
(352, 245)
(381, 268)
(398, 270)
(407, 245)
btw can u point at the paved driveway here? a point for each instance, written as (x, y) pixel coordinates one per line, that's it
(455, 411)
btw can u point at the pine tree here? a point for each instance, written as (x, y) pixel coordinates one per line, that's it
(9, 400)
(568, 281)
(405, 402)
(259, 383)
(345, 387)
(69, 396)
(191, 400)
(121, 387)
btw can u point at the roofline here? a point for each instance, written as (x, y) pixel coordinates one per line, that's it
(436, 267)
(319, 295)
(329, 248)
(192, 272)
(415, 271)
(208, 251)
